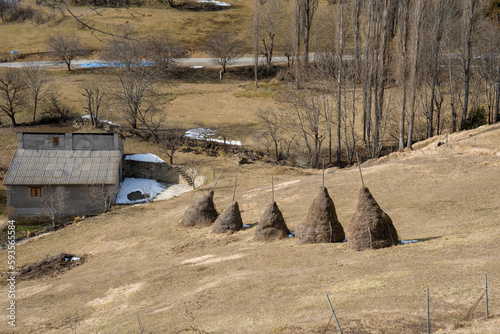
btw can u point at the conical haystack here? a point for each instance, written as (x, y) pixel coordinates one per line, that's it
(271, 225)
(201, 212)
(229, 221)
(321, 223)
(370, 226)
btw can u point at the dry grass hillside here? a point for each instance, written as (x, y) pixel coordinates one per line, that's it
(145, 273)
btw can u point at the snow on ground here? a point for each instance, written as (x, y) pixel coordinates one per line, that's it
(217, 3)
(150, 187)
(404, 242)
(98, 65)
(197, 66)
(144, 157)
(172, 191)
(102, 120)
(209, 135)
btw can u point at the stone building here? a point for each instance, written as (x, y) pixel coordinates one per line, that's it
(81, 170)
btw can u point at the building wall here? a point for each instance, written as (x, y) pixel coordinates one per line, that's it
(78, 200)
(71, 141)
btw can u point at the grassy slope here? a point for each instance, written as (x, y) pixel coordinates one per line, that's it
(443, 196)
(190, 28)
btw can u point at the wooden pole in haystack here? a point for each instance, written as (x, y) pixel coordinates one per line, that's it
(272, 189)
(235, 179)
(323, 173)
(217, 179)
(359, 166)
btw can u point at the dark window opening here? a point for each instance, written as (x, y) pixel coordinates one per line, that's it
(55, 141)
(36, 191)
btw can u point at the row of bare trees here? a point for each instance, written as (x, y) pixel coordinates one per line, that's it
(407, 69)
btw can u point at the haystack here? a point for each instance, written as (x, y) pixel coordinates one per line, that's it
(229, 221)
(271, 225)
(370, 226)
(321, 223)
(201, 212)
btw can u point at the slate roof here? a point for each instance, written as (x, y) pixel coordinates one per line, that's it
(63, 167)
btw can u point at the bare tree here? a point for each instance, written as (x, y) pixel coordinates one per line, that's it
(12, 93)
(436, 50)
(403, 68)
(420, 7)
(270, 18)
(136, 93)
(65, 46)
(164, 52)
(274, 133)
(469, 24)
(171, 142)
(102, 195)
(94, 95)
(37, 84)
(223, 48)
(307, 112)
(53, 203)
(305, 10)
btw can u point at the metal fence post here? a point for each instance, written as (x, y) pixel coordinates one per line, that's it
(486, 294)
(333, 312)
(428, 318)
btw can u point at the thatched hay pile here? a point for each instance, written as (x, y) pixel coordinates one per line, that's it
(321, 223)
(229, 221)
(370, 226)
(271, 225)
(201, 212)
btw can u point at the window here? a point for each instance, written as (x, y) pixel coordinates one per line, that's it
(55, 141)
(36, 191)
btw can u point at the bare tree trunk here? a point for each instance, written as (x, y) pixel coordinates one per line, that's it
(340, 76)
(405, 8)
(468, 56)
(256, 43)
(497, 104)
(413, 75)
(435, 73)
(367, 75)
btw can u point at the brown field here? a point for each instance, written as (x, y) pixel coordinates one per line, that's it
(189, 28)
(144, 273)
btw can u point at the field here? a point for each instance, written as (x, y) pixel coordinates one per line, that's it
(192, 29)
(146, 273)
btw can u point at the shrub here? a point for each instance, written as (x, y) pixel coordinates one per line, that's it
(476, 118)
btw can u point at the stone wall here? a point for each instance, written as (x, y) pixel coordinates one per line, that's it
(161, 172)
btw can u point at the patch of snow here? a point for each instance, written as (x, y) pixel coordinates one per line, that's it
(150, 187)
(102, 120)
(217, 3)
(144, 157)
(74, 258)
(209, 135)
(345, 240)
(197, 66)
(172, 191)
(404, 242)
(246, 226)
(291, 235)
